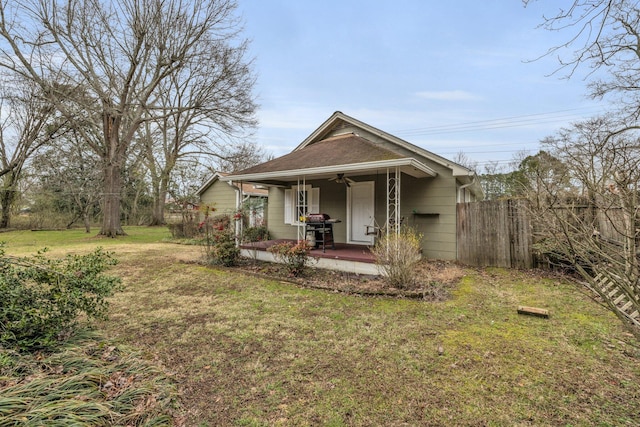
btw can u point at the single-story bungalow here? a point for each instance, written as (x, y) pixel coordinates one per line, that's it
(364, 180)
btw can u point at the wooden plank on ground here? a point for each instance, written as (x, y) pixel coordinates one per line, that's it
(533, 311)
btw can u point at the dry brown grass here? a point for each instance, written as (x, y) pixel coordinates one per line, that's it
(256, 351)
(249, 350)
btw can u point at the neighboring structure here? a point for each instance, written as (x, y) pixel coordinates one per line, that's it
(226, 198)
(367, 179)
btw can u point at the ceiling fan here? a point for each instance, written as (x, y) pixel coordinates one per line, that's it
(341, 179)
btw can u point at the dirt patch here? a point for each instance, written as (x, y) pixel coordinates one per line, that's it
(434, 283)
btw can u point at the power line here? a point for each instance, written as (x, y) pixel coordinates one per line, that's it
(500, 123)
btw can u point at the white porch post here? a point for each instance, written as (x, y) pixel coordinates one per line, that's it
(238, 223)
(393, 208)
(301, 225)
(393, 200)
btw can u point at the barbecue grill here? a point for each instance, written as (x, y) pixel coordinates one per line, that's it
(319, 227)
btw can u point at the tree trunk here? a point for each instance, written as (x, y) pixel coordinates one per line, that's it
(6, 200)
(86, 218)
(7, 196)
(159, 197)
(111, 225)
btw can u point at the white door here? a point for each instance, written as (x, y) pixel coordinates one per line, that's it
(360, 212)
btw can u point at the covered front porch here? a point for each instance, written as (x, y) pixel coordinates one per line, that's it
(356, 259)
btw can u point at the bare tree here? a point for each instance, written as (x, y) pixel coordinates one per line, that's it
(604, 36)
(599, 239)
(26, 123)
(597, 231)
(69, 169)
(462, 159)
(109, 60)
(202, 112)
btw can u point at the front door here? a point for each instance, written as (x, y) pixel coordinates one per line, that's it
(360, 212)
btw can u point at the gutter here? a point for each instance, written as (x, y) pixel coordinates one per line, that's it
(353, 167)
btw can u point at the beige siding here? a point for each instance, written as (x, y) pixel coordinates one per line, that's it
(277, 228)
(332, 201)
(429, 205)
(221, 196)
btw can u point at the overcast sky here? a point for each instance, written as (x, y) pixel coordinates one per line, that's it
(448, 76)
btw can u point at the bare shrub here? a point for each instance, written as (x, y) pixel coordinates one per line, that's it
(397, 255)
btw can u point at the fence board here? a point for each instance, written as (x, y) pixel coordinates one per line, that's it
(494, 233)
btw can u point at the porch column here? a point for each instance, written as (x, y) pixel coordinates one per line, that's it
(393, 200)
(238, 222)
(302, 226)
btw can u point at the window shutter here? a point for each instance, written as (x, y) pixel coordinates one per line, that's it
(314, 204)
(288, 206)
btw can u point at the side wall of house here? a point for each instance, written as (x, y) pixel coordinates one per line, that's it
(429, 206)
(221, 196)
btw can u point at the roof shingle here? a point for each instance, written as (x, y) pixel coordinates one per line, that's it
(338, 150)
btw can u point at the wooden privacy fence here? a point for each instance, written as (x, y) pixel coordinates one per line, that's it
(495, 233)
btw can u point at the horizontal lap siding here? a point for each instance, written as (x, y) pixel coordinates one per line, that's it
(277, 228)
(437, 198)
(221, 197)
(332, 201)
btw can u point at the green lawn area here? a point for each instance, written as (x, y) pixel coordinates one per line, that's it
(247, 351)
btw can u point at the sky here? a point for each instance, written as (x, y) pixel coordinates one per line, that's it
(448, 76)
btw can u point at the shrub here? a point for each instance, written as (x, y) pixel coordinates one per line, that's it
(255, 234)
(221, 248)
(43, 298)
(294, 255)
(396, 256)
(182, 230)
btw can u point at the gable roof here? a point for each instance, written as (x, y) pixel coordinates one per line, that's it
(339, 117)
(325, 153)
(247, 188)
(339, 150)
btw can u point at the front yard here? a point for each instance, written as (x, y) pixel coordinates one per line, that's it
(254, 351)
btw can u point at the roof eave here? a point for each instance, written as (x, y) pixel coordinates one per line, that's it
(409, 165)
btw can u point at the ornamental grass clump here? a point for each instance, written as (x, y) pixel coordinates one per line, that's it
(85, 382)
(397, 255)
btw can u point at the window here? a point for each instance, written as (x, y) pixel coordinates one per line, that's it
(300, 201)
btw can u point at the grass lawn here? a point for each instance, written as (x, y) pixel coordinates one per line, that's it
(246, 351)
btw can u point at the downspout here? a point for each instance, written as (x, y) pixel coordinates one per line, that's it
(473, 181)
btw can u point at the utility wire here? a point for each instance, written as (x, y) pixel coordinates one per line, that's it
(500, 123)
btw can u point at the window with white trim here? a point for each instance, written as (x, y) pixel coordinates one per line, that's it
(300, 201)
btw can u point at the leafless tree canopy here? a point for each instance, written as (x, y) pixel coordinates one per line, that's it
(596, 230)
(604, 37)
(27, 122)
(106, 65)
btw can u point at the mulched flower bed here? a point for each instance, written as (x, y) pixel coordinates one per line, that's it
(435, 279)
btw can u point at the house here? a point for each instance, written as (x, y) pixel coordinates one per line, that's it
(368, 180)
(227, 198)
